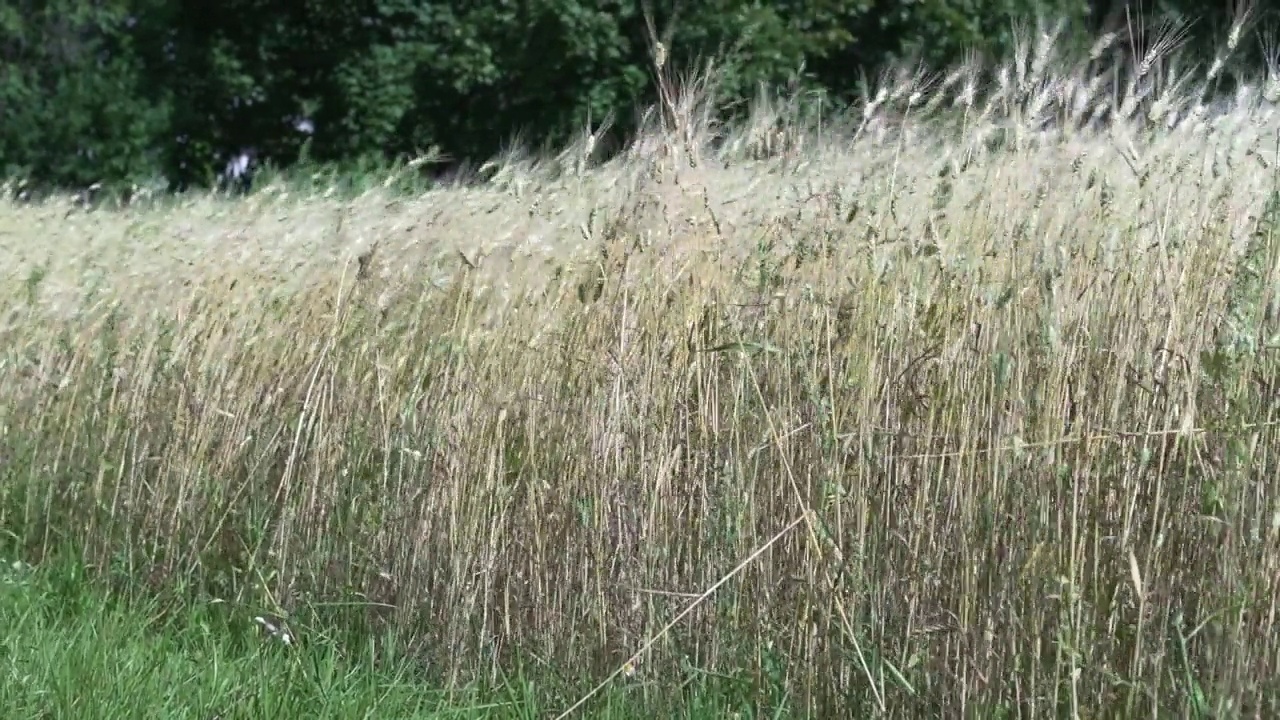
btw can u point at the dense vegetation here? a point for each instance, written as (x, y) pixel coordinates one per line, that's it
(167, 91)
(950, 396)
(959, 405)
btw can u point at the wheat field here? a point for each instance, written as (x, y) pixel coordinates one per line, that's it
(962, 406)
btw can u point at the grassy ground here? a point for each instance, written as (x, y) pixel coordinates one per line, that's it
(72, 649)
(965, 414)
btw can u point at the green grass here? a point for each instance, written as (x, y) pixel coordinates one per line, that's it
(72, 648)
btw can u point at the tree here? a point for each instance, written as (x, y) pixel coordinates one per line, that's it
(75, 106)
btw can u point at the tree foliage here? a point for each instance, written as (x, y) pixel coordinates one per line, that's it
(123, 91)
(75, 107)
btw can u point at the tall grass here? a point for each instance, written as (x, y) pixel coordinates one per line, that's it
(996, 353)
